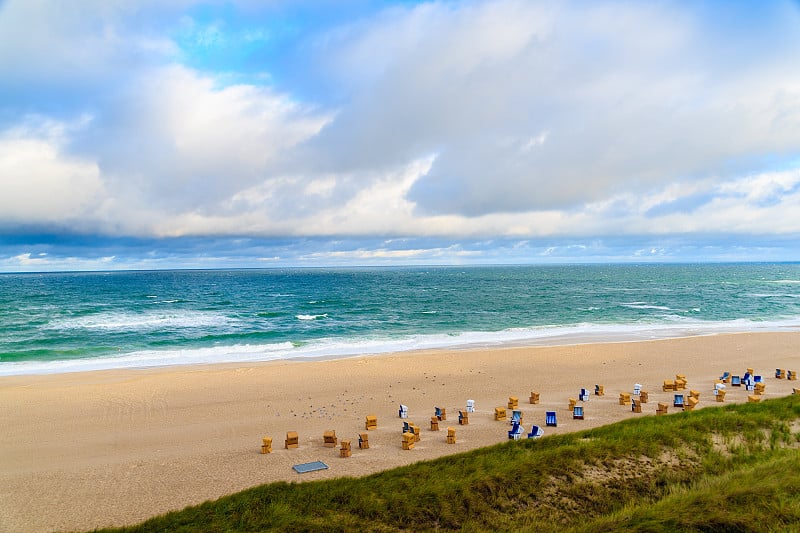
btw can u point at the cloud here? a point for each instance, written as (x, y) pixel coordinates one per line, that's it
(39, 181)
(484, 119)
(631, 96)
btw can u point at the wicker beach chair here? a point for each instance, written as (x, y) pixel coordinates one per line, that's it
(536, 432)
(516, 431)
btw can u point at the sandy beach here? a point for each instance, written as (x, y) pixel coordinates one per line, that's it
(86, 450)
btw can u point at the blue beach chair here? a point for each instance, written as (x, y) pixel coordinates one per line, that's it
(736, 381)
(678, 401)
(516, 431)
(550, 419)
(516, 416)
(583, 395)
(577, 412)
(440, 413)
(725, 376)
(536, 432)
(403, 411)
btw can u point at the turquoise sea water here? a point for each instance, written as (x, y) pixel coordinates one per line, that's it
(83, 321)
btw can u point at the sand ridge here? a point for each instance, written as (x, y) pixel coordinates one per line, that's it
(94, 449)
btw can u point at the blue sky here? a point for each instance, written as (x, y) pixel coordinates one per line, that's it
(312, 133)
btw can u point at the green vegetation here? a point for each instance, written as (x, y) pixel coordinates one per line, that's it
(731, 468)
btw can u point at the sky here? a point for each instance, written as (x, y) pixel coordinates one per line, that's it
(184, 134)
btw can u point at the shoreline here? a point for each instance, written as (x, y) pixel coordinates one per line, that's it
(140, 442)
(574, 335)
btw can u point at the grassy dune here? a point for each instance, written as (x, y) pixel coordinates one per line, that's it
(730, 468)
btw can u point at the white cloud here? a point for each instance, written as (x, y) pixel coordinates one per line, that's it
(39, 181)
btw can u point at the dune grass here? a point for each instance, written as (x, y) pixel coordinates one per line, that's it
(729, 468)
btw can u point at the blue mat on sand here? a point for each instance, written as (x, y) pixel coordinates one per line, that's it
(310, 467)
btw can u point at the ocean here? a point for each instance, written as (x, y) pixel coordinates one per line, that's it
(68, 322)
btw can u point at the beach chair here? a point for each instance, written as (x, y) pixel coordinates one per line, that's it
(636, 405)
(513, 402)
(463, 418)
(406, 427)
(680, 384)
(516, 416)
(694, 394)
(470, 406)
(572, 403)
(753, 398)
(583, 395)
(534, 399)
(669, 385)
(536, 432)
(499, 413)
(266, 445)
(403, 411)
(759, 387)
(599, 390)
(725, 377)
(329, 439)
(637, 389)
(780, 373)
(795, 390)
(441, 414)
(451, 435)
(644, 396)
(415, 431)
(371, 423)
(292, 440)
(736, 381)
(434, 423)
(345, 450)
(678, 401)
(577, 412)
(749, 381)
(408, 441)
(363, 441)
(719, 394)
(550, 419)
(791, 375)
(624, 398)
(516, 431)
(691, 402)
(662, 408)
(758, 379)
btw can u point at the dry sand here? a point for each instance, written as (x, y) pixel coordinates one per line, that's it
(93, 449)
